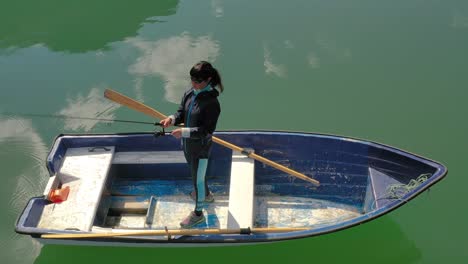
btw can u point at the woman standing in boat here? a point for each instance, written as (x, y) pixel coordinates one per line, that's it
(199, 111)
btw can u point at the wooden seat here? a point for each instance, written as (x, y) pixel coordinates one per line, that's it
(241, 192)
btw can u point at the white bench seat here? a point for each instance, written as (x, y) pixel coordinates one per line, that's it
(241, 192)
(85, 171)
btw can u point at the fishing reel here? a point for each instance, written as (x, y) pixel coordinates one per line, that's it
(161, 132)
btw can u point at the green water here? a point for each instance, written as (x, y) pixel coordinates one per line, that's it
(394, 72)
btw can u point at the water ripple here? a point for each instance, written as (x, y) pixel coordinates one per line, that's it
(19, 142)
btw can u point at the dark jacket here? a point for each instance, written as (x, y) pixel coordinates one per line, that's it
(199, 113)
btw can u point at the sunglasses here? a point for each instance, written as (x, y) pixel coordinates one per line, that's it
(196, 80)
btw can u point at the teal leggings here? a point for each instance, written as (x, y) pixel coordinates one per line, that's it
(198, 171)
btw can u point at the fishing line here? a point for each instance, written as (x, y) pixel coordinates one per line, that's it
(81, 118)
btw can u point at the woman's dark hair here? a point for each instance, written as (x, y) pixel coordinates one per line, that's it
(204, 70)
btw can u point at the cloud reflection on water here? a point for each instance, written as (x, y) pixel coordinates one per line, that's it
(313, 60)
(171, 59)
(288, 44)
(217, 7)
(459, 20)
(271, 68)
(92, 105)
(24, 180)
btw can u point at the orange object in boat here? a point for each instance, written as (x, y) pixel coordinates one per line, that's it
(58, 195)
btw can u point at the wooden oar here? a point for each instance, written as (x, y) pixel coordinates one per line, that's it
(178, 232)
(135, 105)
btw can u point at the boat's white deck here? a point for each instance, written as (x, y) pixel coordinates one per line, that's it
(270, 211)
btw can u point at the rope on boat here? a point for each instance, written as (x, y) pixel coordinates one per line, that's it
(397, 191)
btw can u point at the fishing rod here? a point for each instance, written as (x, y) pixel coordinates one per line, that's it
(81, 118)
(156, 133)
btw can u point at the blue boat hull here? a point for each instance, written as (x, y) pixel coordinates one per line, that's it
(359, 181)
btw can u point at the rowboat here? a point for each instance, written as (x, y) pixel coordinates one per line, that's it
(133, 189)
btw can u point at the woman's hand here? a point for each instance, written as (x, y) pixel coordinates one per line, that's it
(166, 122)
(177, 133)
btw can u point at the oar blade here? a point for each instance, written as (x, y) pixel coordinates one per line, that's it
(132, 104)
